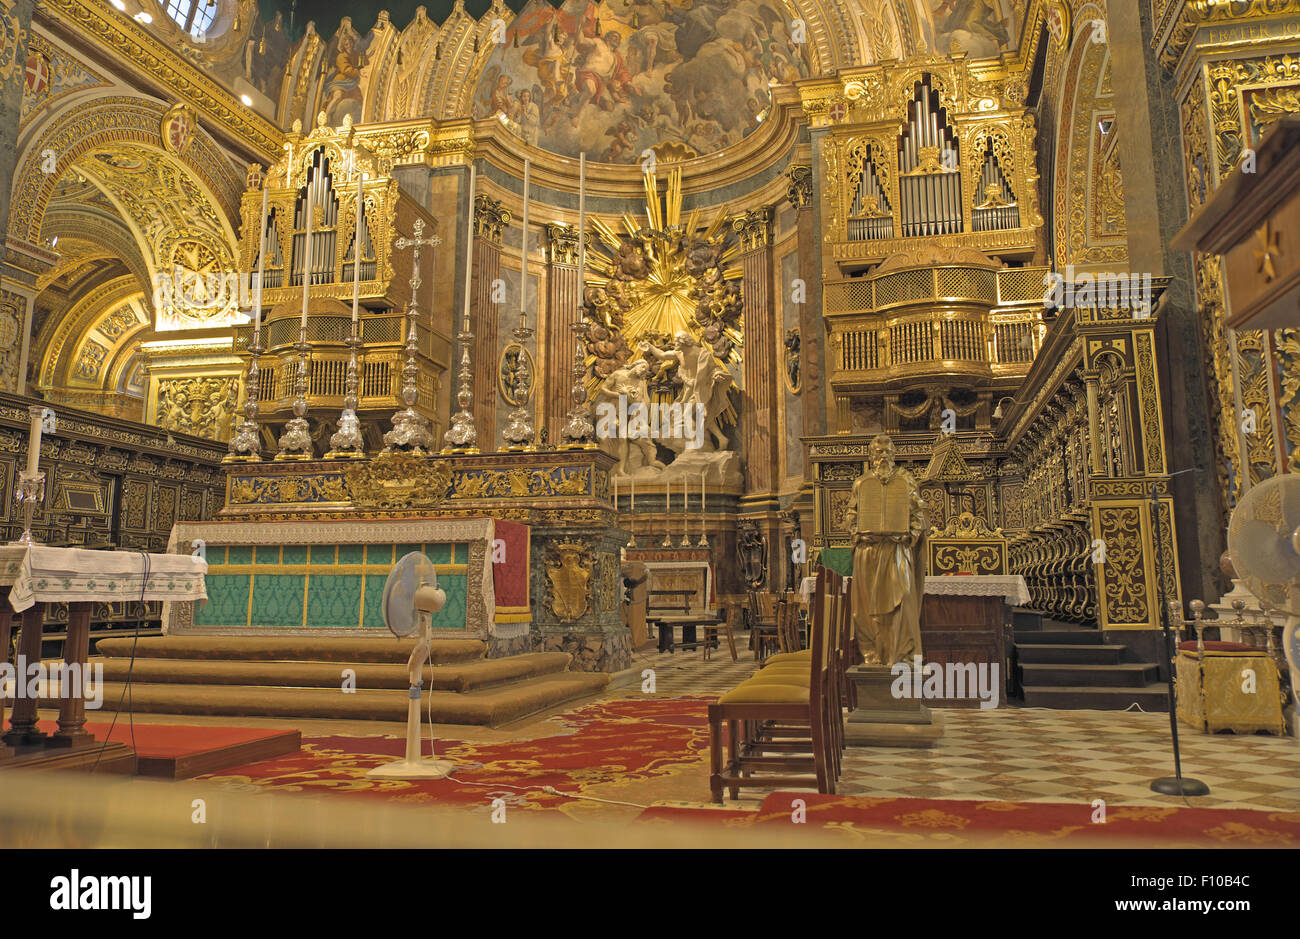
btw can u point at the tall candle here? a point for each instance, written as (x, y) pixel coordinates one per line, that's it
(306, 256)
(356, 244)
(469, 244)
(582, 227)
(523, 253)
(615, 493)
(34, 440)
(261, 263)
(632, 508)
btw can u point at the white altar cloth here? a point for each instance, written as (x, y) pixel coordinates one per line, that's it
(1010, 587)
(40, 574)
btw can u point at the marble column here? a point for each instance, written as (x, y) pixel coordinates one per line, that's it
(812, 351)
(804, 194)
(490, 218)
(559, 340)
(759, 422)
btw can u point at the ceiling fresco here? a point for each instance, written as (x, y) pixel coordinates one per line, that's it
(612, 80)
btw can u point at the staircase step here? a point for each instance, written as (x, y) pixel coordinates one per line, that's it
(1060, 636)
(485, 707)
(460, 677)
(1022, 618)
(1153, 697)
(1128, 675)
(1070, 653)
(379, 648)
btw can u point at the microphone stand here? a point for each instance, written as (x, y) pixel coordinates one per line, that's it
(1174, 785)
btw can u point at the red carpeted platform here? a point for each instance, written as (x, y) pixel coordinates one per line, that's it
(180, 751)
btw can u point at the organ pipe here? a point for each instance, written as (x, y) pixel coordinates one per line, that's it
(995, 208)
(929, 185)
(316, 260)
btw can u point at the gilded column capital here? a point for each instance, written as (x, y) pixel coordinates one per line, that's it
(490, 217)
(563, 241)
(754, 228)
(800, 190)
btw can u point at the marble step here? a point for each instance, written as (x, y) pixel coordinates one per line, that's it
(1084, 653)
(1126, 675)
(459, 677)
(1069, 637)
(490, 707)
(1151, 697)
(380, 647)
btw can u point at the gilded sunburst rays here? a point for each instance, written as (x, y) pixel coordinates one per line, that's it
(660, 277)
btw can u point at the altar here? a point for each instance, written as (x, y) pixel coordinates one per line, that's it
(527, 548)
(963, 618)
(329, 579)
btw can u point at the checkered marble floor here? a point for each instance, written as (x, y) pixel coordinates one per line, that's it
(1035, 754)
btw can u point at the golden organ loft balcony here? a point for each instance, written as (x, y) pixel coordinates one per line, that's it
(934, 314)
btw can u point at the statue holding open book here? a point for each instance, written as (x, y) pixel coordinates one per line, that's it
(888, 520)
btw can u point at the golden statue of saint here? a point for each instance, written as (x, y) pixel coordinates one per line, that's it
(888, 519)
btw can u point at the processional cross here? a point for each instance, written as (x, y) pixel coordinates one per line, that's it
(411, 430)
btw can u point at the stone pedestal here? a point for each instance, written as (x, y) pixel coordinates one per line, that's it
(883, 720)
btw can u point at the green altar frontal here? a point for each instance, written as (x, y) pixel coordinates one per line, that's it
(321, 586)
(285, 577)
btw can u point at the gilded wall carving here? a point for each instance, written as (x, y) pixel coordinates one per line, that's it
(1123, 576)
(1220, 120)
(199, 406)
(104, 125)
(569, 570)
(52, 74)
(13, 319)
(1088, 190)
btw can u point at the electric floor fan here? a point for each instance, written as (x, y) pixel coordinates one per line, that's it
(1264, 542)
(411, 597)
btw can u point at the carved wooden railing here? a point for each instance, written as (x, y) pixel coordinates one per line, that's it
(950, 320)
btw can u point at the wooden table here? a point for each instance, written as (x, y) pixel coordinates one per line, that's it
(683, 598)
(687, 622)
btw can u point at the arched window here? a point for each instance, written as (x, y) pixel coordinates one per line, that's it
(193, 16)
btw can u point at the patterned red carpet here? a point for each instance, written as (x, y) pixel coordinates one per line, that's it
(655, 750)
(960, 823)
(616, 742)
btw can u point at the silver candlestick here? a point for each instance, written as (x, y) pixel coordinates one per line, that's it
(1198, 610)
(347, 442)
(295, 442)
(411, 431)
(246, 441)
(518, 433)
(578, 433)
(462, 436)
(29, 491)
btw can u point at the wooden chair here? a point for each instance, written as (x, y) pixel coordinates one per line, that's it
(793, 667)
(780, 699)
(728, 627)
(788, 623)
(763, 619)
